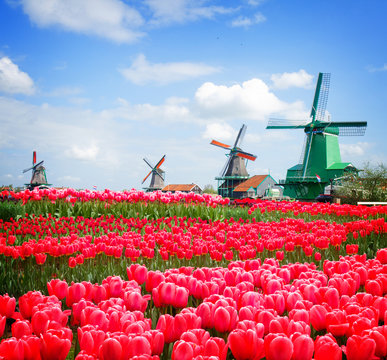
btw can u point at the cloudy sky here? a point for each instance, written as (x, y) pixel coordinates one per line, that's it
(96, 85)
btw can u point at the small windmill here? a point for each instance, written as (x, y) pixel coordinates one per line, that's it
(38, 178)
(158, 176)
(234, 171)
(320, 161)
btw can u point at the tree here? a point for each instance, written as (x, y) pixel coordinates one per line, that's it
(209, 189)
(369, 185)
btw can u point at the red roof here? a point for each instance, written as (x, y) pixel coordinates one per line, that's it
(254, 182)
(179, 187)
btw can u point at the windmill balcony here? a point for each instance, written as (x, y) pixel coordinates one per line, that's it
(298, 179)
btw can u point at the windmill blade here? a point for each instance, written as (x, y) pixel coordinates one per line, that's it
(33, 158)
(160, 162)
(286, 124)
(147, 161)
(246, 155)
(221, 145)
(39, 163)
(350, 128)
(146, 177)
(34, 166)
(226, 165)
(307, 150)
(158, 172)
(240, 136)
(320, 97)
(30, 168)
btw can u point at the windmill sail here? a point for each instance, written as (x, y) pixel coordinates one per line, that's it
(158, 175)
(353, 128)
(235, 164)
(234, 170)
(320, 97)
(38, 177)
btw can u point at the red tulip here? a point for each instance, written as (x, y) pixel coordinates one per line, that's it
(215, 347)
(12, 349)
(205, 310)
(32, 346)
(183, 350)
(28, 301)
(156, 340)
(58, 288)
(96, 317)
(326, 347)
(278, 347)
(2, 325)
(54, 345)
(245, 345)
(83, 355)
(21, 328)
(165, 324)
(225, 318)
(303, 347)
(140, 346)
(337, 323)
(75, 293)
(137, 272)
(380, 337)
(381, 255)
(110, 349)
(360, 348)
(90, 340)
(7, 305)
(318, 317)
(186, 321)
(374, 287)
(135, 301)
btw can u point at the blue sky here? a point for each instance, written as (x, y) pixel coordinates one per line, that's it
(96, 85)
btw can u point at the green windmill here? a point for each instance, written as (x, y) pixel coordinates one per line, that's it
(320, 163)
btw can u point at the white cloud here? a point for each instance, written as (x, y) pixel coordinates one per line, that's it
(88, 153)
(295, 79)
(143, 72)
(255, 2)
(377, 69)
(181, 11)
(252, 100)
(219, 131)
(244, 21)
(111, 19)
(69, 178)
(65, 91)
(13, 80)
(352, 150)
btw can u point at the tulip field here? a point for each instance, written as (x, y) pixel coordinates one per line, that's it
(138, 276)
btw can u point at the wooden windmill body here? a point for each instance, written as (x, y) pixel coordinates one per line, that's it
(234, 171)
(38, 178)
(157, 176)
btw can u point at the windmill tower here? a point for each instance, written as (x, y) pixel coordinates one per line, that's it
(320, 161)
(158, 176)
(234, 171)
(38, 174)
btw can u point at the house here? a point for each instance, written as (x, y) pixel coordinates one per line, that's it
(256, 187)
(183, 188)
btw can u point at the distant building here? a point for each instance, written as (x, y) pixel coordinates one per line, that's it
(183, 188)
(256, 187)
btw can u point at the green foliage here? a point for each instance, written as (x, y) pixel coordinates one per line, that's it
(209, 189)
(10, 209)
(370, 185)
